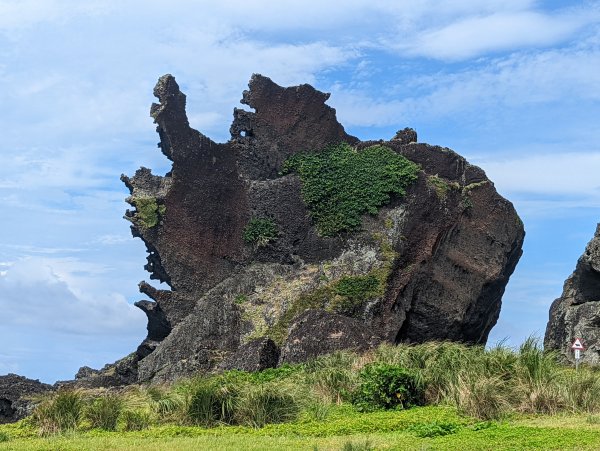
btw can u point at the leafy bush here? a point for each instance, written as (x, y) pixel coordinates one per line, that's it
(339, 183)
(58, 413)
(384, 386)
(136, 420)
(260, 231)
(4, 437)
(103, 412)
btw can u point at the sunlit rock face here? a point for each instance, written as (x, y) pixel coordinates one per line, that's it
(576, 314)
(431, 264)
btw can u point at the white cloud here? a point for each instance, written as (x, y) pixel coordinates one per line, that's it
(568, 174)
(19, 14)
(58, 296)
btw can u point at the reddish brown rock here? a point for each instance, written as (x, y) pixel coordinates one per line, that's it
(448, 246)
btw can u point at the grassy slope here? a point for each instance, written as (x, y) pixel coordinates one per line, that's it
(382, 430)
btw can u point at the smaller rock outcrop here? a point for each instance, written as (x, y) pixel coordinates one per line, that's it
(318, 332)
(17, 395)
(576, 314)
(256, 355)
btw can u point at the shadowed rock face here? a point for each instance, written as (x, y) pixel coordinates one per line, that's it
(448, 247)
(16, 393)
(576, 314)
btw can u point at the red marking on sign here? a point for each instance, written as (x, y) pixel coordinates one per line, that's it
(577, 345)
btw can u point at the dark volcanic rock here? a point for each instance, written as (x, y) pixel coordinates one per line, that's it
(122, 372)
(444, 251)
(16, 396)
(256, 355)
(576, 314)
(318, 332)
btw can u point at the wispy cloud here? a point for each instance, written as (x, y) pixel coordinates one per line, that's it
(481, 34)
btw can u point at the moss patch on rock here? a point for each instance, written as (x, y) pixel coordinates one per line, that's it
(340, 183)
(148, 211)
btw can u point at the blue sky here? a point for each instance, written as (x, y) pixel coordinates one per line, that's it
(513, 85)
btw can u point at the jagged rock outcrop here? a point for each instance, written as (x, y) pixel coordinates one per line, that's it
(576, 314)
(17, 396)
(429, 265)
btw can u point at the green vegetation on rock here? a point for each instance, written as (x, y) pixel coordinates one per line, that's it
(441, 185)
(339, 183)
(148, 211)
(352, 291)
(260, 231)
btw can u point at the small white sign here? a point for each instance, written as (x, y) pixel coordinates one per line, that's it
(577, 345)
(577, 354)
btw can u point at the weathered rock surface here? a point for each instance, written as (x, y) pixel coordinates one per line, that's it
(318, 332)
(576, 314)
(444, 251)
(16, 396)
(256, 355)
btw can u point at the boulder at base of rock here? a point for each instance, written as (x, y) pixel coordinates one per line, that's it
(256, 355)
(317, 332)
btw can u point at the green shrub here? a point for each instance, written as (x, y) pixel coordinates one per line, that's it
(59, 413)
(103, 412)
(384, 386)
(136, 420)
(266, 403)
(260, 231)
(339, 183)
(434, 429)
(4, 437)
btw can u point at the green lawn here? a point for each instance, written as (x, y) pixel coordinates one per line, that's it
(344, 427)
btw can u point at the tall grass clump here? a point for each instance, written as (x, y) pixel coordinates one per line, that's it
(168, 404)
(266, 403)
(103, 412)
(334, 376)
(581, 390)
(136, 420)
(212, 402)
(488, 383)
(61, 412)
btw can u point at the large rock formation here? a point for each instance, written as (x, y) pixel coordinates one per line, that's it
(576, 314)
(429, 265)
